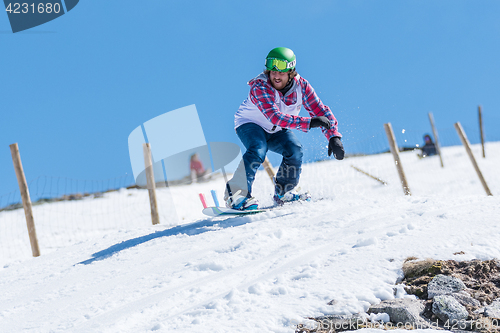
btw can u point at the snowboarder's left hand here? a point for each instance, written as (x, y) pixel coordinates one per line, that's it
(336, 147)
(320, 121)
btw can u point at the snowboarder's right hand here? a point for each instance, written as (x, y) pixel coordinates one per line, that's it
(320, 121)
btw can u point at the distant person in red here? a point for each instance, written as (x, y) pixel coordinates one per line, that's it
(196, 167)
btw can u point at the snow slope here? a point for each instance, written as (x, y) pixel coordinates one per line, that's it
(259, 273)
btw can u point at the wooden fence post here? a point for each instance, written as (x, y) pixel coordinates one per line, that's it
(367, 174)
(148, 163)
(397, 160)
(481, 129)
(25, 195)
(269, 169)
(466, 144)
(436, 138)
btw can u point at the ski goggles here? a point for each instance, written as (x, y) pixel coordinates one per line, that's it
(279, 65)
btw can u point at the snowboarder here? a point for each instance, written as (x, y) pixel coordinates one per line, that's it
(264, 121)
(429, 148)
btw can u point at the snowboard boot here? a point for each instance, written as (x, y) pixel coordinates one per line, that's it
(240, 202)
(291, 196)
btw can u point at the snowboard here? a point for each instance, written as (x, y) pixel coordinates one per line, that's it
(224, 211)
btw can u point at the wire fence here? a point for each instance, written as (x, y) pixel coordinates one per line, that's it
(51, 189)
(409, 139)
(68, 211)
(424, 174)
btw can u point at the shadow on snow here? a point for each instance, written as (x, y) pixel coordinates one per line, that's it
(192, 229)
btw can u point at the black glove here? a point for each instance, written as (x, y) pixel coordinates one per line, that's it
(336, 147)
(320, 121)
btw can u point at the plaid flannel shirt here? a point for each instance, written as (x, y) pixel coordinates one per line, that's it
(262, 95)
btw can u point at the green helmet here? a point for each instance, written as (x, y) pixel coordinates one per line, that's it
(280, 59)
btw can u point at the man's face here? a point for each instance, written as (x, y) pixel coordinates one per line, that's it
(278, 79)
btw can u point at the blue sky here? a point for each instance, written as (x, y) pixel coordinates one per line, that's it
(73, 89)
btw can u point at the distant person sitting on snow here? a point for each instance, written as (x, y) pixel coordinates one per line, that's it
(264, 122)
(196, 167)
(429, 147)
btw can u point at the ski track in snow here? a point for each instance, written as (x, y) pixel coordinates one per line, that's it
(264, 272)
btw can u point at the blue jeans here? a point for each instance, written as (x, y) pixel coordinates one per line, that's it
(258, 142)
